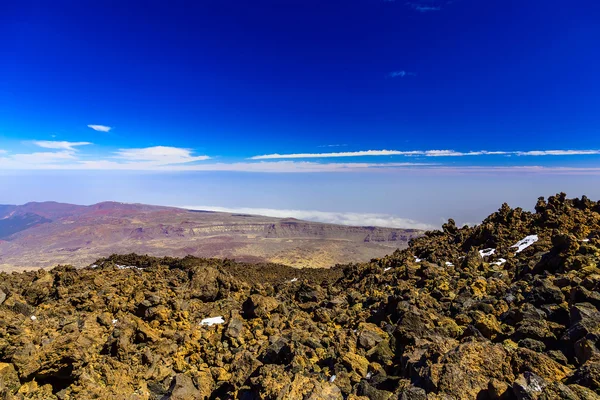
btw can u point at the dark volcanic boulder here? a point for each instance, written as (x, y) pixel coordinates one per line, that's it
(258, 306)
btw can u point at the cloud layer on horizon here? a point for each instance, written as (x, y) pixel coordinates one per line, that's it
(340, 218)
(426, 153)
(64, 155)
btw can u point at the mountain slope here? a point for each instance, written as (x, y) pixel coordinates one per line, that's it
(17, 223)
(469, 313)
(78, 235)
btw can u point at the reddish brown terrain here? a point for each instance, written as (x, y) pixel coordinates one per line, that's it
(46, 234)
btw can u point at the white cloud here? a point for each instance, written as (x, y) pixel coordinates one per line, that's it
(66, 156)
(352, 219)
(427, 153)
(59, 145)
(159, 155)
(452, 153)
(100, 128)
(68, 161)
(557, 152)
(341, 154)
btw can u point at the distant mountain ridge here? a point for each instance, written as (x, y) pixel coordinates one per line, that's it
(16, 223)
(44, 234)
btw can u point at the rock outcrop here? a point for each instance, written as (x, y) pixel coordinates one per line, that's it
(509, 309)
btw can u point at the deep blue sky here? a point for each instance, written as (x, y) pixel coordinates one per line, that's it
(241, 78)
(228, 80)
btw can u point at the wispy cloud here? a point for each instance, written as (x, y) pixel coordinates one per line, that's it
(427, 153)
(400, 74)
(333, 145)
(65, 160)
(59, 145)
(340, 154)
(349, 218)
(65, 156)
(452, 153)
(160, 155)
(100, 128)
(557, 153)
(68, 156)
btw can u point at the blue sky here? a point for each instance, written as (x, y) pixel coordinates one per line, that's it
(365, 87)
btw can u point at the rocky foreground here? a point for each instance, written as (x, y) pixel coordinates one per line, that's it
(505, 310)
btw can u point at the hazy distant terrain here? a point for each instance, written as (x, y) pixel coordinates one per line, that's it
(46, 234)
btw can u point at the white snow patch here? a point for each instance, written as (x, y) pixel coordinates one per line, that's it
(585, 240)
(417, 259)
(93, 266)
(387, 269)
(114, 321)
(499, 262)
(525, 242)
(127, 267)
(535, 386)
(486, 252)
(449, 264)
(369, 375)
(33, 317)
(294, 280)
(212, 321)
(332, 379)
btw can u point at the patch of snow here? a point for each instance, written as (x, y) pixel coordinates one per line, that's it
(417, 259)
(486, 252)
(93, 266)
(509, 298)
(369, 375)
(387, 269)
(536, 386)
(499, 262)
(212, 321)
(127, 266)
(525, 242)
(449, 264)
(114, 321)
(33, 317)
(332, 379)
(585, 240)
(294, 280)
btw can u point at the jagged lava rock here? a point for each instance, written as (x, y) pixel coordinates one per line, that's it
(447, 318)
